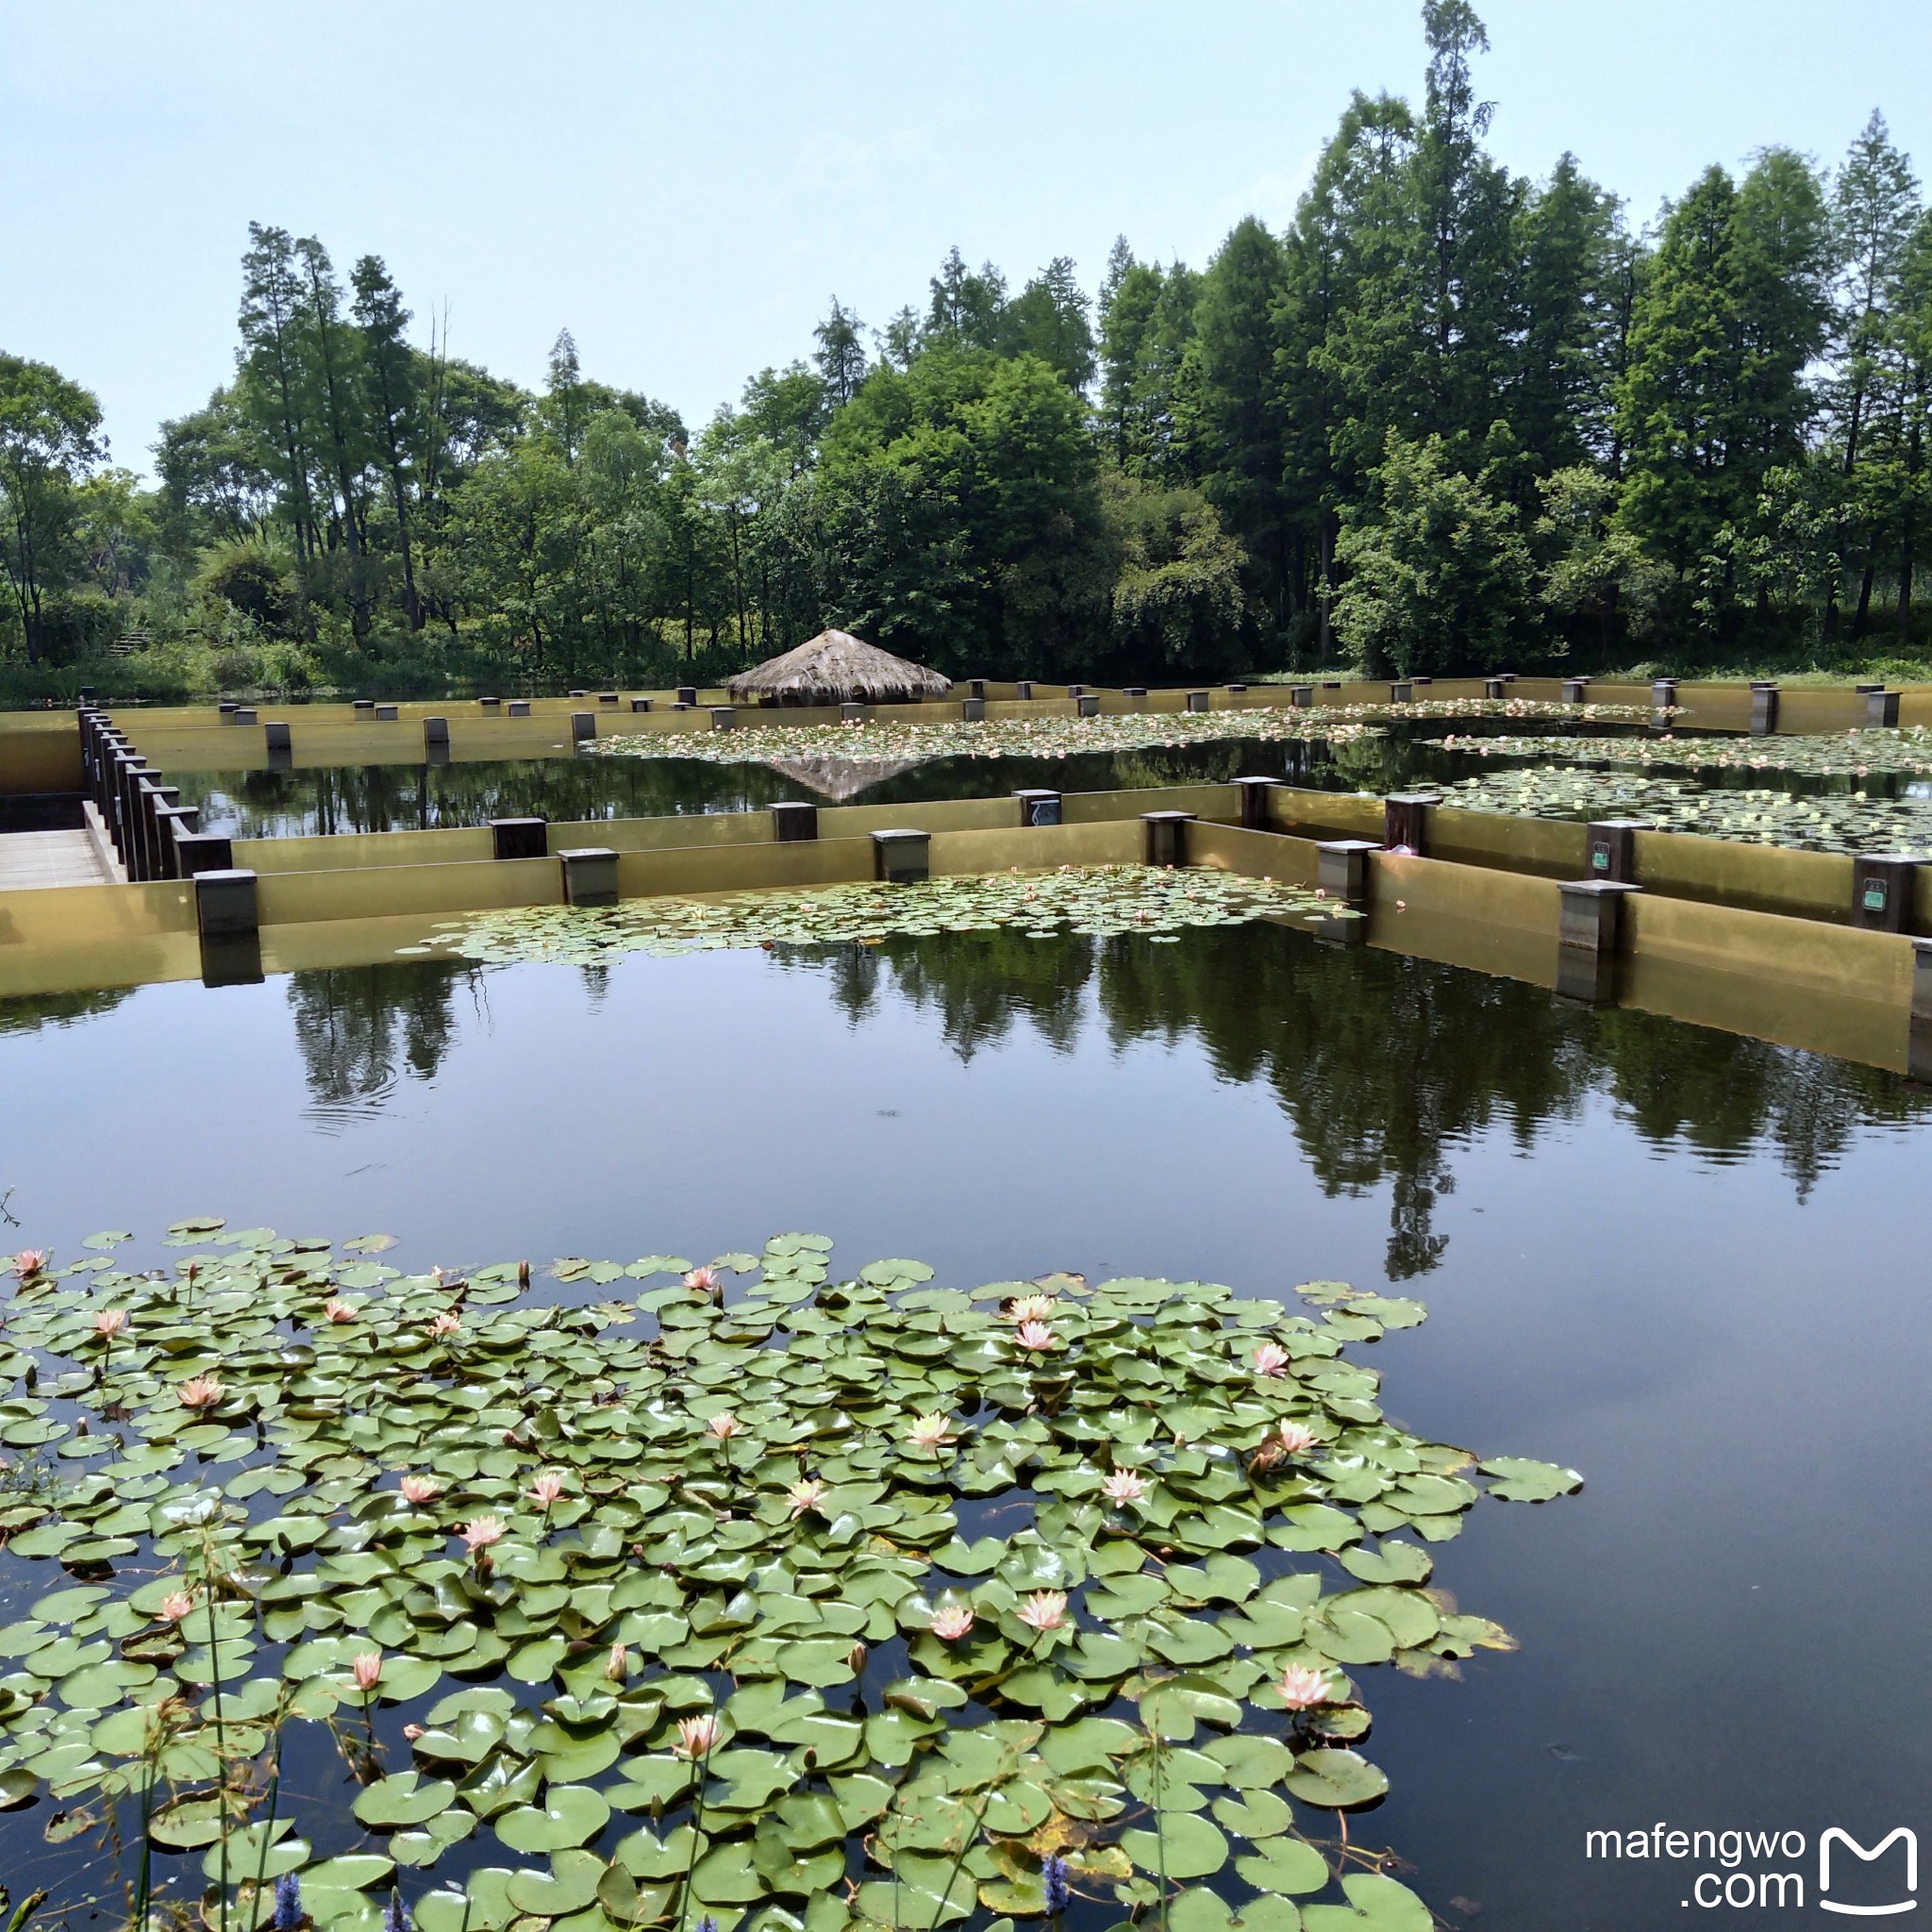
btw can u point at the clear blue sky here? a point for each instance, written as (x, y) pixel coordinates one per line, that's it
(684, 185)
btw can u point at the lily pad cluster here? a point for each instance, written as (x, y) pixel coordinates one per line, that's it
(1823, 822)
(1519, 707)
(1102, 902)
(874, 741)
(1821, 755)
(747, 1592)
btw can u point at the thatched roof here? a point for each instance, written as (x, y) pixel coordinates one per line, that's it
(835, 667)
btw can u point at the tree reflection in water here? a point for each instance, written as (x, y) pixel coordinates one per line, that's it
(400, 798)
(360, 1028)
(29, 1012)
(1384, 1064)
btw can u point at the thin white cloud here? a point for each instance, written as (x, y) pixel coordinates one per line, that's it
(1273, 195)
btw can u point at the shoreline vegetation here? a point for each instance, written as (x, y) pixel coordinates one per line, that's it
(1445, 419)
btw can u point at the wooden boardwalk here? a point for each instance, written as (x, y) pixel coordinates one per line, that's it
(28, 860)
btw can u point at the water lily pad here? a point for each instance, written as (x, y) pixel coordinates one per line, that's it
(1254, 1763)
(184, 1824)
(1185, 1847)
(1520, 1480)
(403, 1798)
(255, 1849)
(568, 1886)
(1254, 1814)
(1336, 1779)
(1286, 1865)
(348, 1872)
(1376, 1904)
(570, 1815)
(931, 1888)
(422, 1845)
(481, 1905)
(1391, 1563)
(534, 1662)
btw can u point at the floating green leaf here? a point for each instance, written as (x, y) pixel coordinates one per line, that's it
(1520, 1480)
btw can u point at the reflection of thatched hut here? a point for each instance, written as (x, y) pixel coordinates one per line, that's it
(836, 668)
(841, 780)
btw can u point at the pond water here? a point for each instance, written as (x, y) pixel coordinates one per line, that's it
(391, 798)
(384, 798)
(1688, 1265)
(1395, 756)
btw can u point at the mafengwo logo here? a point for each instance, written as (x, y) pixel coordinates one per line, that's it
(1754, 1869)
(1841, 1841)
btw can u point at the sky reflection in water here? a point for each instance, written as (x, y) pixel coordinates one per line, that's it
(1729, 1342)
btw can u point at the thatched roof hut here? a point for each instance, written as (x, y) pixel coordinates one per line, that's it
(835, 667)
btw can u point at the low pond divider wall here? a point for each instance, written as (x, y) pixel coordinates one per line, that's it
(1860, 995)
(39, 752)
(156, 839)
(1507, 895)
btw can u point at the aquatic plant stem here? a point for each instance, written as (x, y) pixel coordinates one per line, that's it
(701, 1766)
(965, 1845)
(1159, 1828)
(268, 1829)
(143, 1868)
(214, 1665)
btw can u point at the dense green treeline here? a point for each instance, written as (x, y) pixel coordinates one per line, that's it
(1446, 418)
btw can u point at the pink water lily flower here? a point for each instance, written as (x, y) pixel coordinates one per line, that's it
(173, 1606)
(110, 1323)
(1302, 1689)
(480, 1532)
(1297, 1439)
(546, 1488)
(1123, 1486)
(446, 1323)
(337, 1311)
(1031, 1307)
(951, 1622)
(1036, 1335)
(1271, 1358)
(696, 1736)
(200, 1391)
(702, 1280)
(30, 1262)
(804, 1496)
(420, 1488)
(723, 1425)
(367, 1667)
(1045, 1609)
